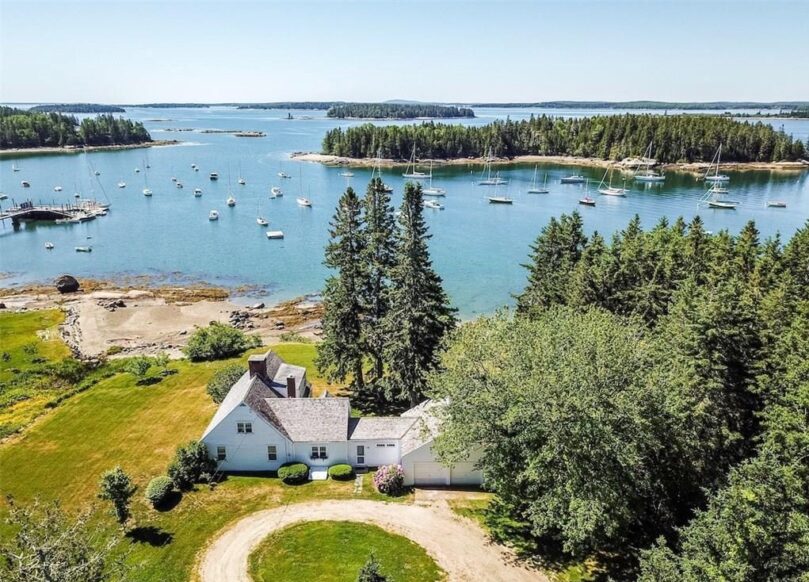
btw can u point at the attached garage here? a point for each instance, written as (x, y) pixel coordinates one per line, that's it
(465, 474)
(430, 474)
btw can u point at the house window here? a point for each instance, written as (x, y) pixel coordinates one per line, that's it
(272, 453)
(390, 445)
(221, 453)
(380, 444)
(244, 427)
(360, 454)
(314, 453)
(323, 454)
(319, 453)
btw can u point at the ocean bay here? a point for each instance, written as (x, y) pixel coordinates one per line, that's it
(477, 247)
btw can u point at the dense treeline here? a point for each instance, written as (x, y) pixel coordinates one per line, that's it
(676, 138)
(396, 111)
(28, 129)
(647, 402)
(76, 108)
(314, 105)
(685, 106)
(171, 105)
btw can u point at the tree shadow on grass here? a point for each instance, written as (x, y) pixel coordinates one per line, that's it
(149, 381)
(149, 534)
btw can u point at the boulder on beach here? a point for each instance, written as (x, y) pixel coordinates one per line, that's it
(67, 284)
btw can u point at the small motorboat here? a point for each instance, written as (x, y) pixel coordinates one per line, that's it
(49, 245)
(261, 221)
(434, 204)
(97, 173)
(213, 215)
(196, 169)
(84, 249)
(193, 166)
(147, 192)
(587, 201)
(387, 189)
(137, 170)
(347, 174)
(76, 195)
(241, 181)
(3, 197)
(25, 184)
(122, 184)
(231, 201)
(197, 192)
(275, 234)
(500, 200)
(213, 176)
(723, 204)
(776, 204)
(284, 175)
(275, 192)
(57, 188)
(304, 202)
(179, 185)
(577, 179)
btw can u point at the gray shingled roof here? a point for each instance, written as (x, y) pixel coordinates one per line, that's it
(245, 388)
(379, 427)
(425, 426)
(309, 419)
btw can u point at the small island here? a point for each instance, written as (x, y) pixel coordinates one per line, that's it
(29, 130)
(76, 108)
(397, 111)
(676, 139)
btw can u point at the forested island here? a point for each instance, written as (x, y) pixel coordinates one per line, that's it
(76, 108)
(29, 129)
(676, 139)
(396, 111)
(312, 105)
(171, 105)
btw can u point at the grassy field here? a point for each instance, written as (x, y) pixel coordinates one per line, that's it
(334, 551)
(116, 421)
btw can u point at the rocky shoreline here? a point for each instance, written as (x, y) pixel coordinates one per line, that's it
(25, 152)
(694, 167)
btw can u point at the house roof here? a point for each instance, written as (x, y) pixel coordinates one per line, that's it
(237, 394)
(425, 426)
(308, 419)
(379, 427)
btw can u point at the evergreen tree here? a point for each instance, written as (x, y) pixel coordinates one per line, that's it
(341, 352)
(370, 571)
(378, 257)
(419, 315)
(116, 486)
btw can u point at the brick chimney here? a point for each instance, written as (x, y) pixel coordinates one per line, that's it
(257, 365)
(291, 386)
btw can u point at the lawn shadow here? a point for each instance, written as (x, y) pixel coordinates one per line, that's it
(149, 381)
(149, 534)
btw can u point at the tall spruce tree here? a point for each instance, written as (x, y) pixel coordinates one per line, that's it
(419, 315)
(378, 255)
(341, 352)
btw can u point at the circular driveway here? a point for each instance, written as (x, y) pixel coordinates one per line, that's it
(457, 545)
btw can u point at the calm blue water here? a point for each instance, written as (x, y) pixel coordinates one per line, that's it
(477, 247)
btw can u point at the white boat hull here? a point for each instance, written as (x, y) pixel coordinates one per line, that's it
(612, 191)
(275, 234)
(538, 191)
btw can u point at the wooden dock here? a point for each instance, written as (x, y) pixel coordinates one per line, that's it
(25, 211)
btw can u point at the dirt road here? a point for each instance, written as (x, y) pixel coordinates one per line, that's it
(457, 545)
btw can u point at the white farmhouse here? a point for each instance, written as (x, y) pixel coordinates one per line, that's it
(268, 418)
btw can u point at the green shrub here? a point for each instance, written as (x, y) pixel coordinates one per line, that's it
(158, 490)
(341, 472)
(191, 465)
(293, 473)
(115, 349)
(219, 341)
(221, 382)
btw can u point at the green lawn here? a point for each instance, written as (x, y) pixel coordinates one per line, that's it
(116, 421)
(334, 551)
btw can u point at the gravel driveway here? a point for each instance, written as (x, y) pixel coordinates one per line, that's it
(457, 545)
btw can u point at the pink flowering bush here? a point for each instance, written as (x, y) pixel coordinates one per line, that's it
(389, 479)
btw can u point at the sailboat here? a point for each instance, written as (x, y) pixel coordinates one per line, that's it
(574, 179)
(535, 189)
(587, 200)
(410, 169)
(275, 192)
(434, 204)
(302, 201)
(260, 220)
(14, 168)
(713, 201)
(241, 181)
(57, 188)
(716, 176)
(231, 201)
(122, 184)
(609, 190)
(648, 175)
(197, 192)
(433, 190)
(347, 174)
(146, 190)
(490, 180)
(377, 173)
(499, 199)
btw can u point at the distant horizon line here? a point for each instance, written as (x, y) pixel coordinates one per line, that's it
(596, 104)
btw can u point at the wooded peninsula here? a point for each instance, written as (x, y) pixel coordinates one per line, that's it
(29, 129)
(675, 139)
(76, 108)
(396, 111)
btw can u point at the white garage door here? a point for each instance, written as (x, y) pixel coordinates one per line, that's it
(430, 474)
(465, 474)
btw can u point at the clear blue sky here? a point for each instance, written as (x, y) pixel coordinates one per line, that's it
(134, 51)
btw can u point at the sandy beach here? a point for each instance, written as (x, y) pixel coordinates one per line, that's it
(23, 152)
(106, 320)
(695, 167)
